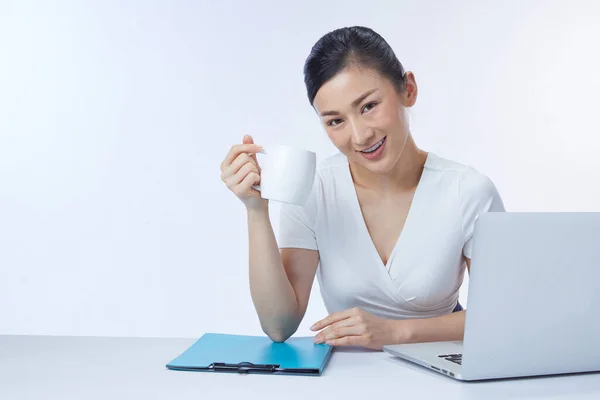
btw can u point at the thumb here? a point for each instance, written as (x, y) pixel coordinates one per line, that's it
(247, 139)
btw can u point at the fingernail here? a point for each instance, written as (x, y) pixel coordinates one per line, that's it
(312, 328)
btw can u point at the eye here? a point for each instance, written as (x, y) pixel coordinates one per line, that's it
(334, 122)
(368, 106)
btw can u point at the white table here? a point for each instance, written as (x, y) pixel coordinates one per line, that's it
(46, 367)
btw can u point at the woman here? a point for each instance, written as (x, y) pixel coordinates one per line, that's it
(389, 224)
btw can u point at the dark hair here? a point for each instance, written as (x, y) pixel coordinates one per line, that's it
(351, 45)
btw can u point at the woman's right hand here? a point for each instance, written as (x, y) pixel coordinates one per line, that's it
(240, 171)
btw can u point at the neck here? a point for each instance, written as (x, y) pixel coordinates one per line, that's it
(404, 175)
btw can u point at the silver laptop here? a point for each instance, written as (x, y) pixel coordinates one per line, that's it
(534, 300)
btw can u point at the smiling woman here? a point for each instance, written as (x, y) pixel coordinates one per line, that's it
(387, 229)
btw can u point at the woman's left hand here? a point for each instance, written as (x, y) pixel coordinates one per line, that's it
(356, 327)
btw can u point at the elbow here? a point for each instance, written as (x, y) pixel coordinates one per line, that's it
(281, 330)
(278, 335)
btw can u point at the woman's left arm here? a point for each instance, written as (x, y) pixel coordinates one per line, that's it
(356, 327)
(437, 329)
(443, 328)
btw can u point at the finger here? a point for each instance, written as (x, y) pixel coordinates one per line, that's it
(249, 140)
(347, 341)
(320, 337)
(354, 330)
(252, 158)
(245, 187)
(330, 319)
(239, 177)
(339, 332)
(238, 149)
(236, 165)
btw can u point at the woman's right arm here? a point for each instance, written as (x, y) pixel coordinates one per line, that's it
(280, 282)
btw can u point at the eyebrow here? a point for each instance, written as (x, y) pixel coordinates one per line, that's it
(354, 103)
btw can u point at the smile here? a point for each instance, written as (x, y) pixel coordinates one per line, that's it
(374, 147)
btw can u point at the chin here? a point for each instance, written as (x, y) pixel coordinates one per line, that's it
(381, 166)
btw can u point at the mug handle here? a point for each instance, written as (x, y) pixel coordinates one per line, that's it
(257, 187)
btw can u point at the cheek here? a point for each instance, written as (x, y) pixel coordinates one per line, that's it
(388, 118)
(339, 138)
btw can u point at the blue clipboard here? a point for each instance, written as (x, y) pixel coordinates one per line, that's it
(216, 352)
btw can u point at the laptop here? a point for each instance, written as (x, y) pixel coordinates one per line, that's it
(534, 300)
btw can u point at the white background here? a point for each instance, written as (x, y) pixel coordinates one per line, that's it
(115, 116)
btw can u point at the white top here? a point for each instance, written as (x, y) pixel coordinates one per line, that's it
(425, 270)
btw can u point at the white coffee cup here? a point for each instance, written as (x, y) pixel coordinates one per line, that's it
(287, 174)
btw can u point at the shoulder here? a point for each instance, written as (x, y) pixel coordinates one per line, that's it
(332, 165)
(475, 186)
(472, 184)
(330, 173)
(327, 175)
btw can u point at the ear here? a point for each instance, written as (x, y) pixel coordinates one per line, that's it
(411, 89)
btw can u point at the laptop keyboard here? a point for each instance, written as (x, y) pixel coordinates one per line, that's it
(455, 358)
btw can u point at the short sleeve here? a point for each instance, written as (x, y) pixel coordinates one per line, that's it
(477, 194)
(297, 223)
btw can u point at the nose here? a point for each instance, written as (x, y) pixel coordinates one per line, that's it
(361, 134)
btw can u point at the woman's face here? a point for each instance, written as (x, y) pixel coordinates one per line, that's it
(364, 116)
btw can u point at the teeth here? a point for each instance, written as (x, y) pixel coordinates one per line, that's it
(375, 147)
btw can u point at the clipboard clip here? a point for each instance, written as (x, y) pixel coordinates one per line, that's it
(243, 367)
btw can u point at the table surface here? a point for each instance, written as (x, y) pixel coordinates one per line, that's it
(62, 367)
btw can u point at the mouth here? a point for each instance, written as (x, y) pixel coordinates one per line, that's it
(374, 147)
(374, 151)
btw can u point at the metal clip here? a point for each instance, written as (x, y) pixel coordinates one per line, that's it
(244, 367)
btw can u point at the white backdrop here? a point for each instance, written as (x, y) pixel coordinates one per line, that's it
(114, 119)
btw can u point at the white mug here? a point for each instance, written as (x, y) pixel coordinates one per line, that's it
(287, 174)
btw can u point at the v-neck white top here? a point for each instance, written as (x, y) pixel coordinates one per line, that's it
(425, 270)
